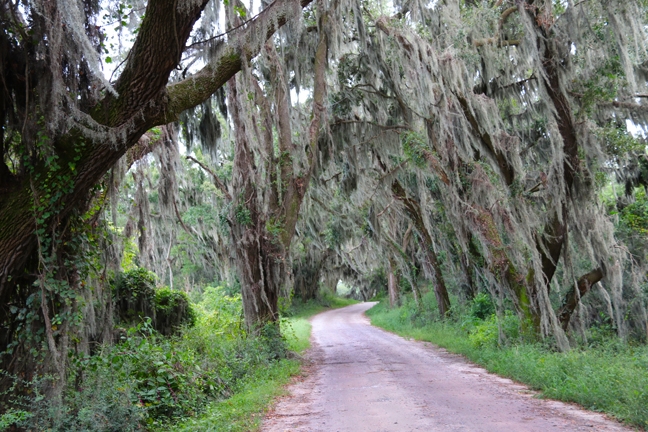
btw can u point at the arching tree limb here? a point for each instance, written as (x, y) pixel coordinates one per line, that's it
(575, 293)
(144, 101)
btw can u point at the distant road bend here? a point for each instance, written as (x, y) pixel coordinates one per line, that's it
(365, 379)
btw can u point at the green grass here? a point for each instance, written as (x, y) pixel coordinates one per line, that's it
(300, 309)
(244, 410)
(611, 377)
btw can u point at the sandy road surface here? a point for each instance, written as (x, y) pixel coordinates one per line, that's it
(362, 378)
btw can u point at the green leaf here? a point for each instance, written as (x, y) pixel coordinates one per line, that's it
(240, 10)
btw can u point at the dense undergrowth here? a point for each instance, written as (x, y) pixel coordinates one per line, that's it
(603, 374)
(211, 376)
(243, 411)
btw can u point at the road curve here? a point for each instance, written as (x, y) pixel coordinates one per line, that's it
(362, 378)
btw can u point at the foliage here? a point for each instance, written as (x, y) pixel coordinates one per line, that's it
(243, 412)
(134, 291)
(634, 216)
(12, 417)
(414, 147)
(147, 380)
(105, 402)
(221, 310)
(136, 298)
(481, 306)
(243, 215)
(486, 333)
(172, 310)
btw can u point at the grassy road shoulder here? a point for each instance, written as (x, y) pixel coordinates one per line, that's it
(609, 376)
(244, 410)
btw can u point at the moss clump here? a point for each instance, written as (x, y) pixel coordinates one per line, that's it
(133, 294)
(136, 298)
(172, 311)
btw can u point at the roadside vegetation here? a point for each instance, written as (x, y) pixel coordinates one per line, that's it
(208, 375)
(601, 373)
(243, 411)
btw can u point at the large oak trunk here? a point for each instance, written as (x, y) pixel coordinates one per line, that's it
(62, 164)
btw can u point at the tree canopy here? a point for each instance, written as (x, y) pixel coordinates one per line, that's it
(455, 146)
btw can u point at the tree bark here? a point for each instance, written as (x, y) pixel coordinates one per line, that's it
(263, 236)
(467, 268)
(413, 210)
(392, 284)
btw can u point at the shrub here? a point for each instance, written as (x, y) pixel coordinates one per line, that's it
(482, 306)
(136, 298)
(96, 399)
(12, 417)
(486, 333)
(172, 311)
(133, 293)
(147, 380)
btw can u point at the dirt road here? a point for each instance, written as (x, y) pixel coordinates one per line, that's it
(362, 378)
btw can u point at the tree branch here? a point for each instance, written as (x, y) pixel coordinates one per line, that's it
(217, 180)
(244, 44)
(489, 143)
(155, 53)
(295, 193)
(497, 38)
(573, 296)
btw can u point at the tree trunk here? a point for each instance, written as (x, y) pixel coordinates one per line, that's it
(413, 210)
(259, 270)
(262, 255)
(307, 273)
(467, 268)
(392, 284)
(551, 243)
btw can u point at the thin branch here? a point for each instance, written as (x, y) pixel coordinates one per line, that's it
(497, 38)
(385, 209)
(535, 188)
(407, 236)
(362, 241)
(182, 224)
(341, 122)
(217, 180)
(517, 83)
(332, 177)
(243, 24)
(626, 105)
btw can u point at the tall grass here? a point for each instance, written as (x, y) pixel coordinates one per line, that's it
(610, 377)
